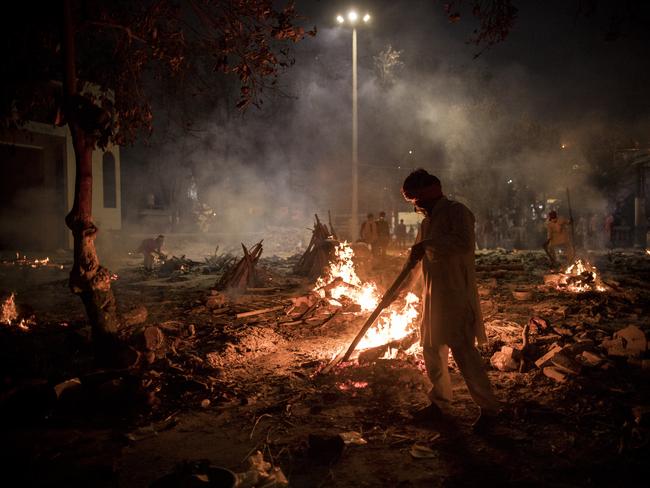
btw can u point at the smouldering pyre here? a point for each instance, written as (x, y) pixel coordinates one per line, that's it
(340, 284)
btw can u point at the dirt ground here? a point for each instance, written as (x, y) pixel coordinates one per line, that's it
(213, 386)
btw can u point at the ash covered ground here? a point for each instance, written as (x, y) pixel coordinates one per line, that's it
(211, 386)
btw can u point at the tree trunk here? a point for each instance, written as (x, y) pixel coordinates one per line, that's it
(88, 279)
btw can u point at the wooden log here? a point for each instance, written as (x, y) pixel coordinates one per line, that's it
(259, 312)
(372, 354)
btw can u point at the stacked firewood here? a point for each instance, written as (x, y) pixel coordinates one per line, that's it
(319, 251)
(243, 274)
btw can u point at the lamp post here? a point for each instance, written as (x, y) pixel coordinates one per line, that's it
(352, 19)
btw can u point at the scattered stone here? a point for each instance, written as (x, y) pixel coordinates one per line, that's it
(136, 316)
(546, 358)
(591, 359)
(418, 451)
(67, 385)
(504, 360)
(634, 340)
(566, 364)
(205, 403)
(522, 295)
(555, 374)
(563, 331)
(188, 330)
(353, 437)
(216, 300)
(615, 347)
(153, 338)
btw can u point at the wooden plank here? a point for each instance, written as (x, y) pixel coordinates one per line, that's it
(259, 312)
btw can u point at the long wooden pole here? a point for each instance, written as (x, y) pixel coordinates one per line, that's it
(573, 234)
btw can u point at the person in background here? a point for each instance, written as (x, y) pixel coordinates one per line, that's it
(558, 236)
(410, 236)
(150, 249)
(368, 232)
(383, 236)
(608, 227)
(400, 234)
(581, 232)
(594, 232)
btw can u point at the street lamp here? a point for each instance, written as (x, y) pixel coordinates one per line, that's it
(352, 19)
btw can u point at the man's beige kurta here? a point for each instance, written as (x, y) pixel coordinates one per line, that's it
(557, 232)
(451, 308)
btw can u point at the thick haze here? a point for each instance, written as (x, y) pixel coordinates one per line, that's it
(490, 127)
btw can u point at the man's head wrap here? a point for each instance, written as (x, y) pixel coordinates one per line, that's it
(422, 186)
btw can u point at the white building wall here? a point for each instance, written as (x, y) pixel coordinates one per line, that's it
(105, 218)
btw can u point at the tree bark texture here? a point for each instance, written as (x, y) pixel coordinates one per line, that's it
(88, 279)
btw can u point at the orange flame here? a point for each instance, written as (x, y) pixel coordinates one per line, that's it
(396, 324)
(364, 294)
(590, 282)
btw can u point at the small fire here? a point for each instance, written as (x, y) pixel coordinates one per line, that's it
(343, 281)
(580, 277)
(8, 312)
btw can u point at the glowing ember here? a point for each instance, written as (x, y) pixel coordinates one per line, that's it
(352, 385)
(581, 277)
(342, 281)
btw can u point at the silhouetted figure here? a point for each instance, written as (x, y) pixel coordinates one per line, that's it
(150, 248)
(400, 234)
(383, 236)
(451, 316)
(558, 236)
(368, 232)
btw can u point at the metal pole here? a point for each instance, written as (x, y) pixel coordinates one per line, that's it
(354, 220)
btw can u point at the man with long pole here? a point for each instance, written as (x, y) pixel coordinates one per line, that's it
(451, 313)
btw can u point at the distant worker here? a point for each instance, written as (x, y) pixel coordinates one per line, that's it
(558, 235)
(410, 235)
(400, 234)
(608, 228)
(368, 233)
(150, 249)
(383, 235)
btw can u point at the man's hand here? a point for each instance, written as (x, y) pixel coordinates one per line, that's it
(417, 252)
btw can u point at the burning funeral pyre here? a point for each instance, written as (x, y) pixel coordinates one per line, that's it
(581, 277)
(9, 312)
(341, 286)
